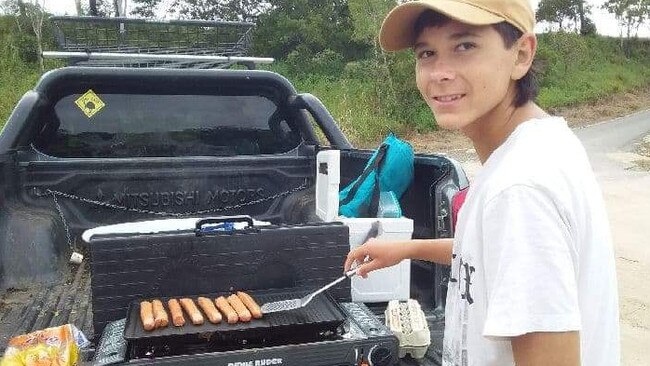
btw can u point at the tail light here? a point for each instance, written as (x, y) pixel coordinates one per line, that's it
(456, 204)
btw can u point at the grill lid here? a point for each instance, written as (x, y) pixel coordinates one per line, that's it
(322, 314)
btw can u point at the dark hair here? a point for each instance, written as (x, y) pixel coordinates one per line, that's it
(527, 88)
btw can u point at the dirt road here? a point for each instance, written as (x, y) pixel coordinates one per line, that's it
(626, 189)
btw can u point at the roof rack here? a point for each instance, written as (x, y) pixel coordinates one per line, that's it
(130, 42)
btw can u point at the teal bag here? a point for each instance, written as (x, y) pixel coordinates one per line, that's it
(390, 168)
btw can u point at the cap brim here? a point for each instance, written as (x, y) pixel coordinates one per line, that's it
(397, 31)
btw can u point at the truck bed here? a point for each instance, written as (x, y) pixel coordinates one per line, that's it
(41, 306)
(26, 310)
(60, 175)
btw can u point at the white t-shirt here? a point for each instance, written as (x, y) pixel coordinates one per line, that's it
(532, 253)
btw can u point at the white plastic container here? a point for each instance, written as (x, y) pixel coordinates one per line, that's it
(383, 285)
(386, 284)
(328, 177)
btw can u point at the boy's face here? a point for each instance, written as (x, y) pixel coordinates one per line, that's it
(463, 72)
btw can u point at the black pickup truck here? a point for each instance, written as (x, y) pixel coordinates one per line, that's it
(89, 147)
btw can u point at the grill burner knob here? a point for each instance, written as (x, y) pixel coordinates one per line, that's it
(379, 356)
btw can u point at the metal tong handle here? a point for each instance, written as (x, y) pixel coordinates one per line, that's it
(305, 300)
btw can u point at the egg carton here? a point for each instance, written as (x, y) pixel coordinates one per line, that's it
(407, 321)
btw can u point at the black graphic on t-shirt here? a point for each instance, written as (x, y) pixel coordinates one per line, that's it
(468, 282)
(465, 271)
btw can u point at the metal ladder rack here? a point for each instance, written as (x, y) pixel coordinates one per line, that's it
(130, 42)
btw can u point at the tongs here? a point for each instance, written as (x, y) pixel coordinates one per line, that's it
(284, 305)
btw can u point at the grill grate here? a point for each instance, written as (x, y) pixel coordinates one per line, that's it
(322, 315)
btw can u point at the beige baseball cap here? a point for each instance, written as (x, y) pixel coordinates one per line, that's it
(397, 30)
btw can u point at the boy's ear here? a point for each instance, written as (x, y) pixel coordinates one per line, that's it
(526, 46)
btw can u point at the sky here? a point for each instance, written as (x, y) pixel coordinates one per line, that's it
(605, 22)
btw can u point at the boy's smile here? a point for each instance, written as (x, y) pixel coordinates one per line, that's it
(464, 73)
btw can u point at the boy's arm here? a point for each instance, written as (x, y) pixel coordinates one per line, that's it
(547, 348)
(432, 250)
(383, 254)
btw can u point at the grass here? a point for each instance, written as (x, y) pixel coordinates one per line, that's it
(593, 83)
(582, 69)
(15, 80)
(353, 105)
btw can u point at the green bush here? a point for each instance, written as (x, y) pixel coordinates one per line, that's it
(361, 70)
(19, 71)
(354, 105)
(408, 105)
(22, 46)
(578, 69)
(640, 50)
(314, 25)
(546, 60)
(325, 63)
(14, 82)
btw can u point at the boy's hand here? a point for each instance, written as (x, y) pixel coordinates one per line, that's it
(376, 254)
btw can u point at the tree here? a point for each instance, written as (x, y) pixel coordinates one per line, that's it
(308, 27)
(573, 12)
(630, 14)
(101, 8)
(93, 7)
(243, 10)
(36, 14)
(237, 10)
(14, 7)
(588, 27)
(366, 17)
(21, 7)
(145, 8)
(120, 7)
(17, 9)
(551, 11)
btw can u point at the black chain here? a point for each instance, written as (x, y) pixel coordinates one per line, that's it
(173, 214)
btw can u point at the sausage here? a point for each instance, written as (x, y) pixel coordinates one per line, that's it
(227, 310)
(191, 310)
(177, 313)
(240, 308)
(210, 310)
(146, 314)
(159, 314)
(250, 303)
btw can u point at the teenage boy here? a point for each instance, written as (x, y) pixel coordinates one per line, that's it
(533, 279)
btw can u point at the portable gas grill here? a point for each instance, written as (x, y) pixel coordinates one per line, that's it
(127, 267)
(271, 263)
